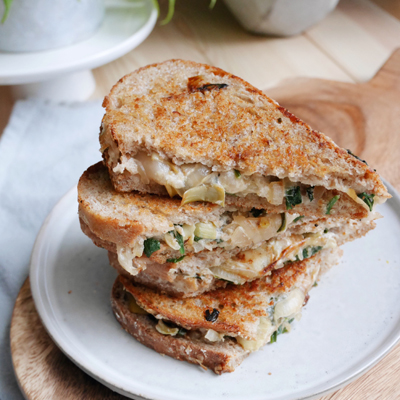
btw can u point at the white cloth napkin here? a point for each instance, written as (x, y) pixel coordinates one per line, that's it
(43, 151)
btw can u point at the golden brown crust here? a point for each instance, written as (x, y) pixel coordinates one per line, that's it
(161, 108)
(219, 358)
(239, 306)
(121, 217)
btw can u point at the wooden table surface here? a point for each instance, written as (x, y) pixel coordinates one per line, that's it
(350, 45)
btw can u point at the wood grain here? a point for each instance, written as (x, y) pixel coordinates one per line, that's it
(42, 370)
(362, 117)
(359, 36)
(390, 6)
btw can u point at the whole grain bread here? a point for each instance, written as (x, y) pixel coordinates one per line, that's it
(192, 275)
(195, 113)
(240, 306)
(166, 278)
(221, 356)
(218, 357)
(121, 218)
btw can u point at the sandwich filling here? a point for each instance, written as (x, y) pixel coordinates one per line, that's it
(282, 311)
(253, 263)
(197, 182)
(234, 229)
(276, 310)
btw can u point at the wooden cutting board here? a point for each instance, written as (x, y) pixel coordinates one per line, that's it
(362, 117)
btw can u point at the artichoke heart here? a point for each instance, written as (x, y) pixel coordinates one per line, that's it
(171, 241)
(171, 190)
(134, 307)
(212, 194)
(166, 330)
(188, 231)
(205, 230)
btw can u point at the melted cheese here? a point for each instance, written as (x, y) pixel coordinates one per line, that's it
(180, 178)
(252, 263)
(264, 331)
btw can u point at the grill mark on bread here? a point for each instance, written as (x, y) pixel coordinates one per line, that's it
(225, 121)
(243, 304)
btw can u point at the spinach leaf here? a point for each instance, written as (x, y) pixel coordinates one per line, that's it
(175, 260)
(310, 251)
(310, 193)
(293, 197)
(150, 246)
(368, 199)
(179, 239)
(332, 203)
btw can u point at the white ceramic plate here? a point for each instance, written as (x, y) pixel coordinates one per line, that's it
(351, 321)
(126, 24)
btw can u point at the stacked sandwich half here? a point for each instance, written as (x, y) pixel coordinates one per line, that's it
(219, 209)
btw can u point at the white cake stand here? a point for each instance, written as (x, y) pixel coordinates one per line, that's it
(64, 74)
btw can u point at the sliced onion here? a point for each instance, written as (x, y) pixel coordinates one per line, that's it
(231, 183)
(318, 192)
(258, 229)
(251, 263)
(227, 276)
(289, 306)
(195, 173)
(142, 172)
(239, 238)
(161, 171)
(205, 230)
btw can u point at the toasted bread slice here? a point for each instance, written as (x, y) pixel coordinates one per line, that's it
(185, 113)
(239, 307)
(218, 357)
(221, 327)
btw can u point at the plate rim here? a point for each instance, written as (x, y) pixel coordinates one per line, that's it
(37, 297)
(93, 61)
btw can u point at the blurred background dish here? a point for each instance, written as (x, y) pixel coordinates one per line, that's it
(63, 73)
(280, 17)
(46, 24)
